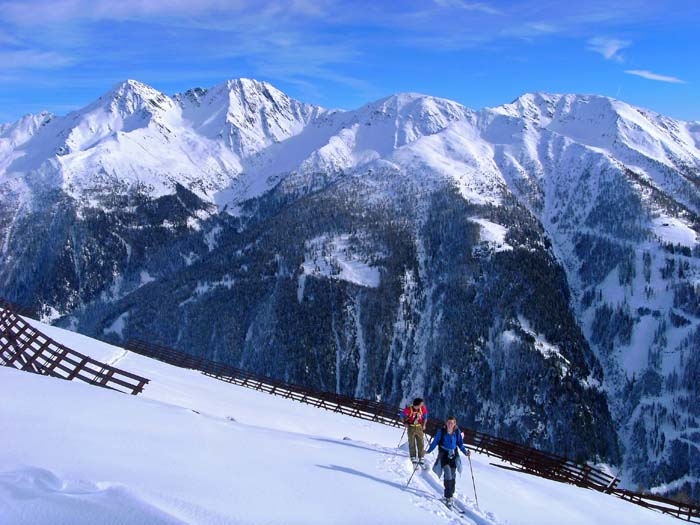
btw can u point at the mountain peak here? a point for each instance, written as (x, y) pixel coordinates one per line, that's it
(17, 133)
(246, 87)
(130, 87)
(402, 97)
(132, 84)
(635, 135)
(243, 83)
(254, 93)
(541, 107)
(247, 114)
(407, 99)
(413, 113)
(129, 96)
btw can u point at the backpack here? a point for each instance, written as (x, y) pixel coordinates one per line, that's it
(414, 415)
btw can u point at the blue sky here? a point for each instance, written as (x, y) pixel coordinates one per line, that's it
(60, 55)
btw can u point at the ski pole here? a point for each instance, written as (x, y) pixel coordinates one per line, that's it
(414, 472)
(402, 434)
(469, 457)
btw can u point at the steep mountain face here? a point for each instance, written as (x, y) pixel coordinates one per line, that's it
(533, 268)
(618, 190)
(245, 114)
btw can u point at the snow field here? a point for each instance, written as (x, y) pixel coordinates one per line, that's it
(195, 450)
(335, 258)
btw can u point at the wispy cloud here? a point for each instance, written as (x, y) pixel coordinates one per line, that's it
(529, 30)
(610, 48)
(9, 40)
(654, 76)
(51, 11)
(33, 59)
(306, 46)
(469, 6)
(277, 39)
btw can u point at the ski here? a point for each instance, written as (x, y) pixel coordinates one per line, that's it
(452, 507)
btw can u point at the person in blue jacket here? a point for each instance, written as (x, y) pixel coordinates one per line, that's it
(449, 439)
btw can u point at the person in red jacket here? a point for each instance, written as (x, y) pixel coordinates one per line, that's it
(415, 417)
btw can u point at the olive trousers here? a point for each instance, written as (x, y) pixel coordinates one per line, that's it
(416, 441)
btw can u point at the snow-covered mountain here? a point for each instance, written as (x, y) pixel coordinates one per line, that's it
(617, 189)
(131, 137)
(534, 267)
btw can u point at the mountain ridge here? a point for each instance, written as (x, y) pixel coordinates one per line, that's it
(250, 118)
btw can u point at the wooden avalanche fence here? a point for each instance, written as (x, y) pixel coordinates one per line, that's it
(523, 459)
(24, 347)
(359, 408)
(558, 468)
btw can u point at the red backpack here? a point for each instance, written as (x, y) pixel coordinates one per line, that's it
(415, 415)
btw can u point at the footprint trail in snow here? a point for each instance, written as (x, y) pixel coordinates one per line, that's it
(426, 490)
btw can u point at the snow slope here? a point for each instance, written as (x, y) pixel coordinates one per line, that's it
(192, 450)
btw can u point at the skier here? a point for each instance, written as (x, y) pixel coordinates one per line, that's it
(449, 439)
(415, 417)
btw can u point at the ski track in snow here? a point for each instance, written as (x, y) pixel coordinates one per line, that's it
(117, 358)
(426, 490)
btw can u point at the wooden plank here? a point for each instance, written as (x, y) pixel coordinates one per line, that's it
(30, 364)
(18, 350)
(14, 353)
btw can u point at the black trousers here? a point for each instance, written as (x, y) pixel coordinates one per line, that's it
(449, 472)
